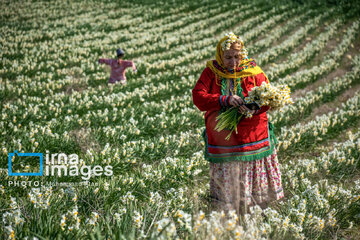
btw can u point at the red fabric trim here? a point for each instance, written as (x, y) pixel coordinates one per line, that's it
(215, 150)
(223, 100)
(228, 101)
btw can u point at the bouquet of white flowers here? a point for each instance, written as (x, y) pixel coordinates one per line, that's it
(264, 95)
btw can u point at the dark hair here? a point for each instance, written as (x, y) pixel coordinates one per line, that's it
(120, 53)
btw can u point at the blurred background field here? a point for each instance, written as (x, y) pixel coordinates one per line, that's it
(55, 98)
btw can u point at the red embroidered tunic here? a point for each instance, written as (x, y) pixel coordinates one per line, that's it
(255, 139)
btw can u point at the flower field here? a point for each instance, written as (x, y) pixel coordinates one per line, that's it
(55, 99)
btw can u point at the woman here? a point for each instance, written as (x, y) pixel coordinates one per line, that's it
(118, 67)
(244, 170)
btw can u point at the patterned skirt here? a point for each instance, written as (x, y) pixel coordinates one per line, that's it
(238, 184)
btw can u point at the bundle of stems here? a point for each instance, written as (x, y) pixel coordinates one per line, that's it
(228, 120)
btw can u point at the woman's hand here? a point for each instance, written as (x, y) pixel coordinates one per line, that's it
(247, 109)
(238, 101)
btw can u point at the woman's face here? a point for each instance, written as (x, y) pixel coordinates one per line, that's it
(231, 58)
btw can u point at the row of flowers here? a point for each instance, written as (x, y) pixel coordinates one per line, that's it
(293, 40)
(304, 133)
(328, 63)
(330, 90)
(297, 59)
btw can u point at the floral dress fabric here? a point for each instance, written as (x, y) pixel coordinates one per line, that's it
(245, 183)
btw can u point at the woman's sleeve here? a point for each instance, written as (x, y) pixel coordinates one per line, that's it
(130, 64)
(204, 100)
(133, 66)
(260, 78)
(104, 60)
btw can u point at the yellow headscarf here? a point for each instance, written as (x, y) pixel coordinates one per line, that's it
(246, 68)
